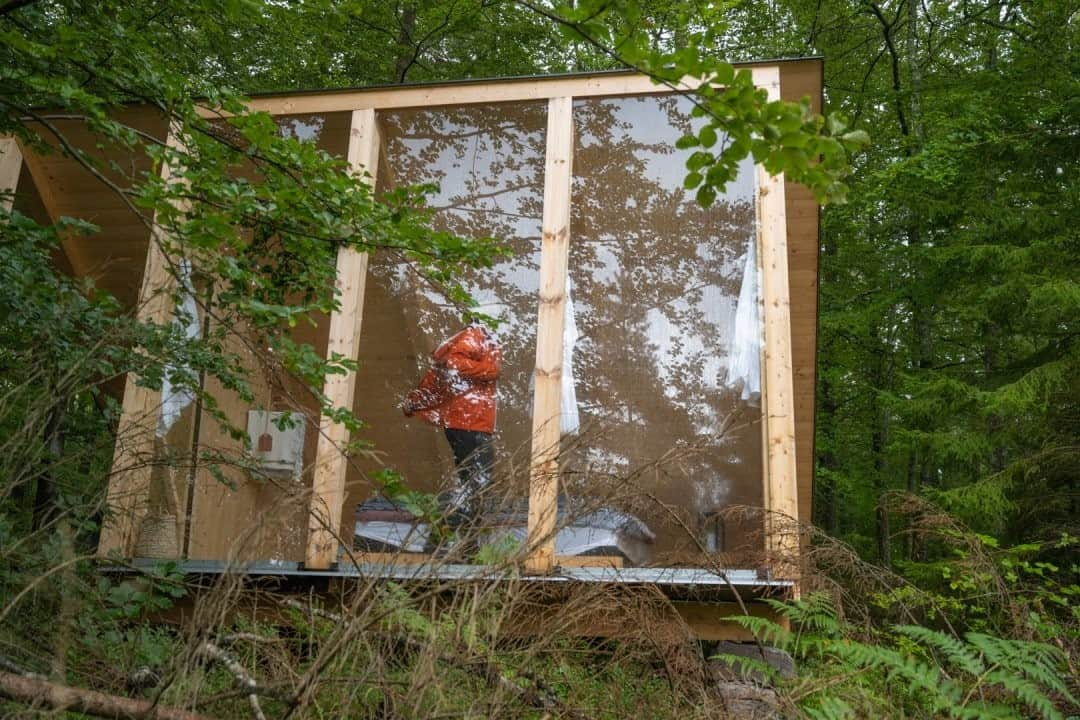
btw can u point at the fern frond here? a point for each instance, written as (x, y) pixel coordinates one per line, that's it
(954, 650)
(765, 630)
(987, 711)
(1026, 692)
(829, 708)
(1040, 663)
(814, 613)
(747, 665)
(938, 691)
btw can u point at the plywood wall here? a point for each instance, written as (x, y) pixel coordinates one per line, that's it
(797, 80)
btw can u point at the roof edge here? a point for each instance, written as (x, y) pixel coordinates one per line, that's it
(499, 79)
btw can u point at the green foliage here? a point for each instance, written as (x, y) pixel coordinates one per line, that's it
(929, 672)
(949, 361)
(781, 136)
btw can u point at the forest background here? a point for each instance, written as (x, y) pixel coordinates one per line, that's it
(948, 418)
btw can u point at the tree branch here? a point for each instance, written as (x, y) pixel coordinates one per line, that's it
(35, 692)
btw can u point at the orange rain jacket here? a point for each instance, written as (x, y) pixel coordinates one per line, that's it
(459, 391)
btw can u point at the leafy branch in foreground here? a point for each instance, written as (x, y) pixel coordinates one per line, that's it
(738, 119)
(252, 217)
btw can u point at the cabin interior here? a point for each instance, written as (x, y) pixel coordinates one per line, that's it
(681, 415)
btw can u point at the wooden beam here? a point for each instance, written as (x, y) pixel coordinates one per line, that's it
(128, 494)
(11, 161)
(470, 93)
(709, 621)
(328, 486)
(590, 561)
(555, 247)
(43, 183)
(778, 390)
(665, 621)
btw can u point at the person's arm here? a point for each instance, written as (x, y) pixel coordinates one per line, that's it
(430, 393)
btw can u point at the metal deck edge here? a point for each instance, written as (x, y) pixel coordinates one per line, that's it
(677, 577)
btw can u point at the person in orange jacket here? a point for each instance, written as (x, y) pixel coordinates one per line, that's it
(458, 395)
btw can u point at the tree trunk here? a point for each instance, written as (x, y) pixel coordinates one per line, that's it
(45, 497)
(408, 51)
(825, 506)
(878, 442)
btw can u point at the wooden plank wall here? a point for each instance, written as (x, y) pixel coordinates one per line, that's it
(249, 518)
(797, 80)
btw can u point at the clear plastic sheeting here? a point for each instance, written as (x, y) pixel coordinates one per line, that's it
(186, 319)
(569, 417)
(743, 370)
(488, 165)
(657, 280)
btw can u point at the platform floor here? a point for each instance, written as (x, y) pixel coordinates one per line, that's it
(674, 582)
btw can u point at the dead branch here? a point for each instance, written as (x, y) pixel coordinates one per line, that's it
(36, 692)
(243, 679)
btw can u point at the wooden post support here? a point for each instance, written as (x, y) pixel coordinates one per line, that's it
(778, 405)
(11, 161)
(544, 472)
(133, 456)
(328, 486)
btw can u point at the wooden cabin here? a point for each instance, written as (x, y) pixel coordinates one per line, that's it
(617, 278)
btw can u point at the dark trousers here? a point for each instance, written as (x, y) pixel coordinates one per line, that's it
(474, 458)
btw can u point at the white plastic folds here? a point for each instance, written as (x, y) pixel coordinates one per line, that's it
(744, 351)
(569, 418)
(186, 318)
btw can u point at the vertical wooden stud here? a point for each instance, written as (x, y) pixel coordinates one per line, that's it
(11, 161)
(133, 456)
(778, 403)
(328, 486)
(555, 246)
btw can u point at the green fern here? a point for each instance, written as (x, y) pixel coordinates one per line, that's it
(934, 689)
(1038, 662)
(986, 711)
(814, 613)
(829, 708)
(747, 666)
(977, 676)
(953, 649)
(1026, 691)
(767, 631)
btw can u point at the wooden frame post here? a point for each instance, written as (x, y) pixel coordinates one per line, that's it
(11, 161)
(328, 485)
(780, 490)
(555, 248)
(128, 494)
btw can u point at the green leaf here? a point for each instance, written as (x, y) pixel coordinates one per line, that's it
(707, 135)
(706, 196)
